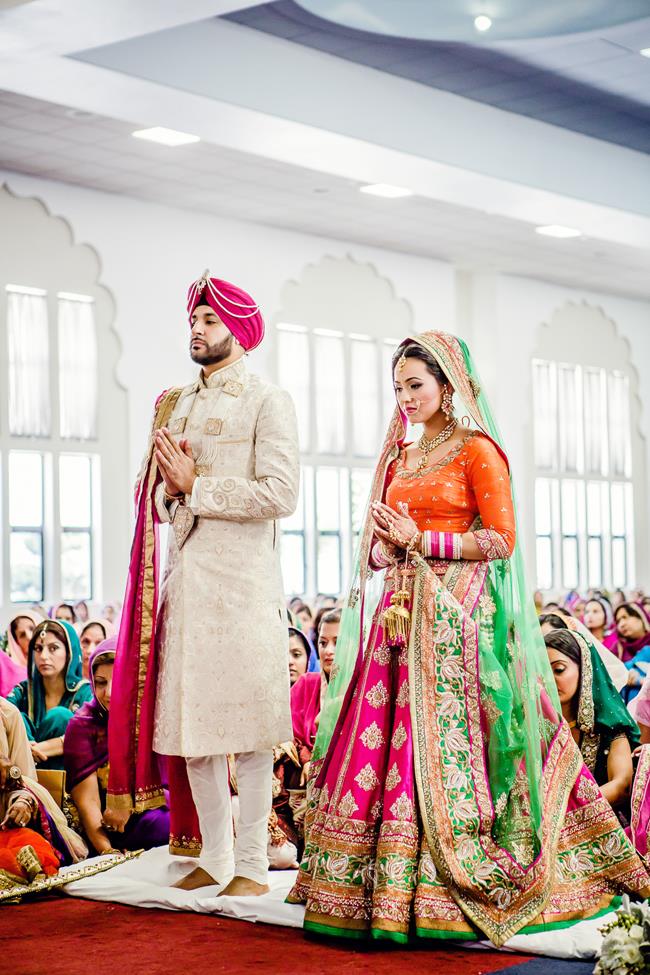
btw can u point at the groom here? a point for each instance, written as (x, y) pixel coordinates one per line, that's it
(229, 461)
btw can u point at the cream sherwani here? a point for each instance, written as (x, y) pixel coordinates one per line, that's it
(223, 682)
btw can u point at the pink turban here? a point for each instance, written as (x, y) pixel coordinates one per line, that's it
(236, 309)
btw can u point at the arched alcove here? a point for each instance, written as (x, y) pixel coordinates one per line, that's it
(40, 260)
(588, 452)
(334, 335)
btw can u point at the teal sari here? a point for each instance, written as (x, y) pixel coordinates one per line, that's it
(40, 722)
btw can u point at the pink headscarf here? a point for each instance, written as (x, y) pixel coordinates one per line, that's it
(236, 309)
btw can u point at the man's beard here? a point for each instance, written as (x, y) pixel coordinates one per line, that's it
(209, 355)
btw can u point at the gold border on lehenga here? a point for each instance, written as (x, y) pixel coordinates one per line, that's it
(527, 889)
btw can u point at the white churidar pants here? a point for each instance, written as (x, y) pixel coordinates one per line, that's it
(221, 855)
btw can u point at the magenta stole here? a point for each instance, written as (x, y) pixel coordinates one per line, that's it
(136, 773)
(305, 708)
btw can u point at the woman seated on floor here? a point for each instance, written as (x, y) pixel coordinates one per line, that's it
(54, 689)
(91, 635)
(302, 656)
(13, 651)
(291, 768)
(29, 817)
(64, 612)
(19, 633)
(633, 645)
(561, 620)
(599, 620)
(86, 766)
(600, 723)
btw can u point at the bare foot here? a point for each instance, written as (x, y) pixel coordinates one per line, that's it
(197, 878)
(243, 887)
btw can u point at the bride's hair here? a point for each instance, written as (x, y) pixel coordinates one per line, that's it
(415, 351)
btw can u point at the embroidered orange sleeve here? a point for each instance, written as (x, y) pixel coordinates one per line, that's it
(489, 478)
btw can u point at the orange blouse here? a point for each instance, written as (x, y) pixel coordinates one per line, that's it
(471, 480)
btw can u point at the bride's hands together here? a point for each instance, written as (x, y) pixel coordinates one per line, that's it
(393, 528)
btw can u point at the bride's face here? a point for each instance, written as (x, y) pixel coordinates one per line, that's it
(419, 394)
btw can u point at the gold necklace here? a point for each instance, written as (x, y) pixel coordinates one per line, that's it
(428, 446)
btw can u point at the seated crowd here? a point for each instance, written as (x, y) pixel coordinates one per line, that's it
(55, 692)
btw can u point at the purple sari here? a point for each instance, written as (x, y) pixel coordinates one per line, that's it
(86, 737)
(86, 752)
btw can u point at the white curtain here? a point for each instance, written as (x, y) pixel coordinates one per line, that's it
(293, 375)
(619, 425)
(29, 365)
(77, 369)
(570, 418)
(330, 394)
(366, 397)
(545, 414)
(595, 427)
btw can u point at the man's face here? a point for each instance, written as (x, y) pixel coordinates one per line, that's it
(210, 341)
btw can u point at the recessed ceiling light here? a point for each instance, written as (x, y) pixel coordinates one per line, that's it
(386, 190)
(556, 230)
(77, 113)
(482, 22)
(166, 137)
(645, 52)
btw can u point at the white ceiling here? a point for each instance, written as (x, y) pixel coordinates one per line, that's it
(290, 135)
(56, 142)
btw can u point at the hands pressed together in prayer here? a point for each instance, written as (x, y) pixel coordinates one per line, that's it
(176, 463)
(395, 530)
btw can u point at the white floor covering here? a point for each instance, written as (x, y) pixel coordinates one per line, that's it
(145, 882)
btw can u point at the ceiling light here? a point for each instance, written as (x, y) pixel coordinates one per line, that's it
(556, 230)
(482, 22)
(645, 52)
(166, 137)
(385, 190)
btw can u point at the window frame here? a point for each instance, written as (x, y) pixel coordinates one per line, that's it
(50, 449)
(347, 462)
(557, 476)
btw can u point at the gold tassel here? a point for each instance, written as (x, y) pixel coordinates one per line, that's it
(396, 619)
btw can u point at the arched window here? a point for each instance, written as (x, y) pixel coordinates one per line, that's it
(335, 336)
(62, 414)
(587, 448)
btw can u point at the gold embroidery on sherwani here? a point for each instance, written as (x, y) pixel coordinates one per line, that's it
(222, 598)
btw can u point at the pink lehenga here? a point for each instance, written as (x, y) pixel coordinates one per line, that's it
(449, 799)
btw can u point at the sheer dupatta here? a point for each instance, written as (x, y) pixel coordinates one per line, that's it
(495, 843)
(136, 773)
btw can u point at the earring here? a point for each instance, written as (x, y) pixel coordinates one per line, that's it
(447, 403)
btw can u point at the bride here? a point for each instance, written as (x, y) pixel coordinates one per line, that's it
(449, 799)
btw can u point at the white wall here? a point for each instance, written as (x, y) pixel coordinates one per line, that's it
(506, 317)
(150, 253)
